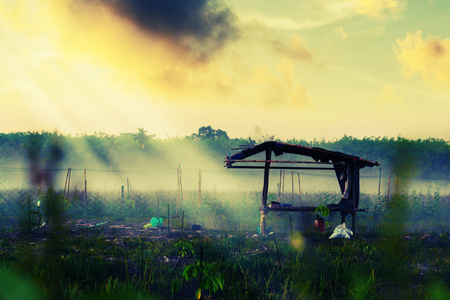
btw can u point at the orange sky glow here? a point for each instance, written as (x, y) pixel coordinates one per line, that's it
(304, 69)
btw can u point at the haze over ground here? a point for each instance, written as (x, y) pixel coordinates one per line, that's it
(305, 69)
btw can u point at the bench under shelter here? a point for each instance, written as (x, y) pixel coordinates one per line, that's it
(346, 168)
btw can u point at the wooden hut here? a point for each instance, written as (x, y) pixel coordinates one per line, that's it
(346, 168)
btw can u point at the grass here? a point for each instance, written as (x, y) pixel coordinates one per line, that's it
(403, 253)
(93, 266)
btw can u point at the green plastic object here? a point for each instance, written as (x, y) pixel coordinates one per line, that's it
(156, 222)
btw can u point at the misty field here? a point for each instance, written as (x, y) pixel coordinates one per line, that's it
(95, 246)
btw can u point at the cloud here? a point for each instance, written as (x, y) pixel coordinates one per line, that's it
(390, 96)
(375, 9)
(80, 37)
(341, 32)
(428, 58)
(294, 49)
(275, 88)
(294, 14)
(202, 26)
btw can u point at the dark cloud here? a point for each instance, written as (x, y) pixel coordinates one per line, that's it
(202, 26)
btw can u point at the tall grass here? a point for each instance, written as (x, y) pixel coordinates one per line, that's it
(420, 212)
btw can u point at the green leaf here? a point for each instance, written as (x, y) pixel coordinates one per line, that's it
(218, 282)
(198, 294)
(175, 286)
(188, 272)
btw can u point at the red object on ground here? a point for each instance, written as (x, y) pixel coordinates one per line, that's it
(319, 224)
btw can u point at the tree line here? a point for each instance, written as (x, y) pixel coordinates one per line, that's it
(422, 158)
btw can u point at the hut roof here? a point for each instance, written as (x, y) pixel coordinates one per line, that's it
(318, 154)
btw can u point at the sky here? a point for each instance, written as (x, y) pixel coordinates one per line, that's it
(293, 69)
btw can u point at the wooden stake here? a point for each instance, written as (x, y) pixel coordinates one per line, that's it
(182, 222)
(66, 187)
(397, 187)
(389, 186)
(181, 191)
(168, 217)
(199, 188)
(379, 186)
(128, 188)
(85, 185)
(299, 189)
(376, 204)
(292, 177)
(282, 193)
(279, 187)
(178, 190)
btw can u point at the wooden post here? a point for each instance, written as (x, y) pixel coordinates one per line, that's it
(355, 192)
(265, 190)
(123, 193)
(66, 187)
(181, 191)
(85, 185)
(178, 190)
(375, 215)
(282, 192)
(299, 189)
(292, 177)
(379, 186)
(279, 186)
(182, 222)
(397, 187)
(199, 188)
(128, 188)
(68, 184)
(168, 217)
(389, 186)
(157, 204)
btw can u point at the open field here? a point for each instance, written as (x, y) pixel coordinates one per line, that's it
(97, 247)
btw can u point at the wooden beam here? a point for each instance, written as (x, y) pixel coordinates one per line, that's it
(310, 209)
(277, 167)
(285, 161)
